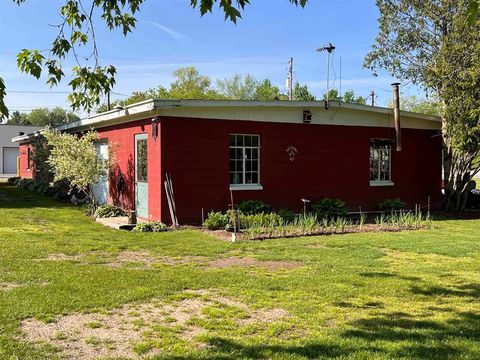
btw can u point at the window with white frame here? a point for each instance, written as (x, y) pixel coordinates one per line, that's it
(244, 159)
(380, 161)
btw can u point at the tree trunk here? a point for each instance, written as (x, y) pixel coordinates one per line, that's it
(457, 176)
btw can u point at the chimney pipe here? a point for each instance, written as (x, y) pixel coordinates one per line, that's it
(396, 115)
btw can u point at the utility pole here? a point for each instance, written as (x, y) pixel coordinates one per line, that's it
(290, 79)
(372, 95)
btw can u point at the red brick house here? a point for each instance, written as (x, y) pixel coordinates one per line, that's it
(278, 152)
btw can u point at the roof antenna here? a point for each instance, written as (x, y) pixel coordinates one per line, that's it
(329, 49)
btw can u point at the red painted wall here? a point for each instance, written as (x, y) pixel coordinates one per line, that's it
(332, 161)
(121, 139)
(25, 172)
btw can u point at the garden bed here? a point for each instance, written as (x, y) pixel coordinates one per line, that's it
(243, 235)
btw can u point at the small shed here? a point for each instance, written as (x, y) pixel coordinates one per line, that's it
(276, 151)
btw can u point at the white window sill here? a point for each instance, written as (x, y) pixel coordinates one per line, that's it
(382, 183)
(246, 187)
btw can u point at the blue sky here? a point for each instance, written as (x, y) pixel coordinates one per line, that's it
(170, 34)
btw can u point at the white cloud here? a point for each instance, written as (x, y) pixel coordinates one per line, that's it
(174, 34)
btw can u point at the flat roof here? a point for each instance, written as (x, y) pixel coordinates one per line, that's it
(152, 107)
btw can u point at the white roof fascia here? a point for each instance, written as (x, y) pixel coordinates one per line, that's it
(139, 110)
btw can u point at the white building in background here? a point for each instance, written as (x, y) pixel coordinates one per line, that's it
(9, 151)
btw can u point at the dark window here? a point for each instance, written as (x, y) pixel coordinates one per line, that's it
(380, 161)
(29, 159)
(244, 159)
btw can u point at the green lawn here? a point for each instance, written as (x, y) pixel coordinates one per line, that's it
(386, 295)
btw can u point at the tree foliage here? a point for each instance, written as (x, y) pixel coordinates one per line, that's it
(301, 93)
(238, 87)
(43, 117)
(190, 84)
(90, 81)
(422, 106)
(74, 159)
(348, 97)
(428, 43)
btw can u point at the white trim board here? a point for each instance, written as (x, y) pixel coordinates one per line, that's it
(344, 114)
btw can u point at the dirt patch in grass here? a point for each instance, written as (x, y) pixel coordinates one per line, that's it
(250, 262)
(131, 258)
(144, 259)
(7, 286)
(64, 257)
(121, 332)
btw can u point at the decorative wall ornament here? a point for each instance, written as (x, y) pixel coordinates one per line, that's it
(292, 152)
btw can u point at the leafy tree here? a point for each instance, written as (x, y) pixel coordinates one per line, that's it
(350, 97)
(189, 84)
(332, 95)
(422, 106)
(238, 87)
(43, 117)
(74, 159)
(428, 43)
(266, 91)
(90, 81)
(301, 92)
(18, 118)
(39, 156)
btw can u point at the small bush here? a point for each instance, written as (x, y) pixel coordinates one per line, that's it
(216, 221)
(286, 214)
(58, 190)
(329, 208)
(390, 205)
(13, 180)
(249, 207)
(152, 226)
(108, 211)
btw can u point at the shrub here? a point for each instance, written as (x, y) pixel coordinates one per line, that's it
(108, 210)
(253, 207)
(329, 208)
(217, 221)
(13, 180)
(390, 205)
(286, 214)
(152, 226)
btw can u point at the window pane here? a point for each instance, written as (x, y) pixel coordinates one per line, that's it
(248, 153)
(239, 140)
(248, 165)
(248, 178)
(142, 163)
(255, 154)
(239, 165)
(232, 140)
(255, 140)
(255, 178)
(248, 140)
(380, 161)
(238, 154)
(255, 165)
